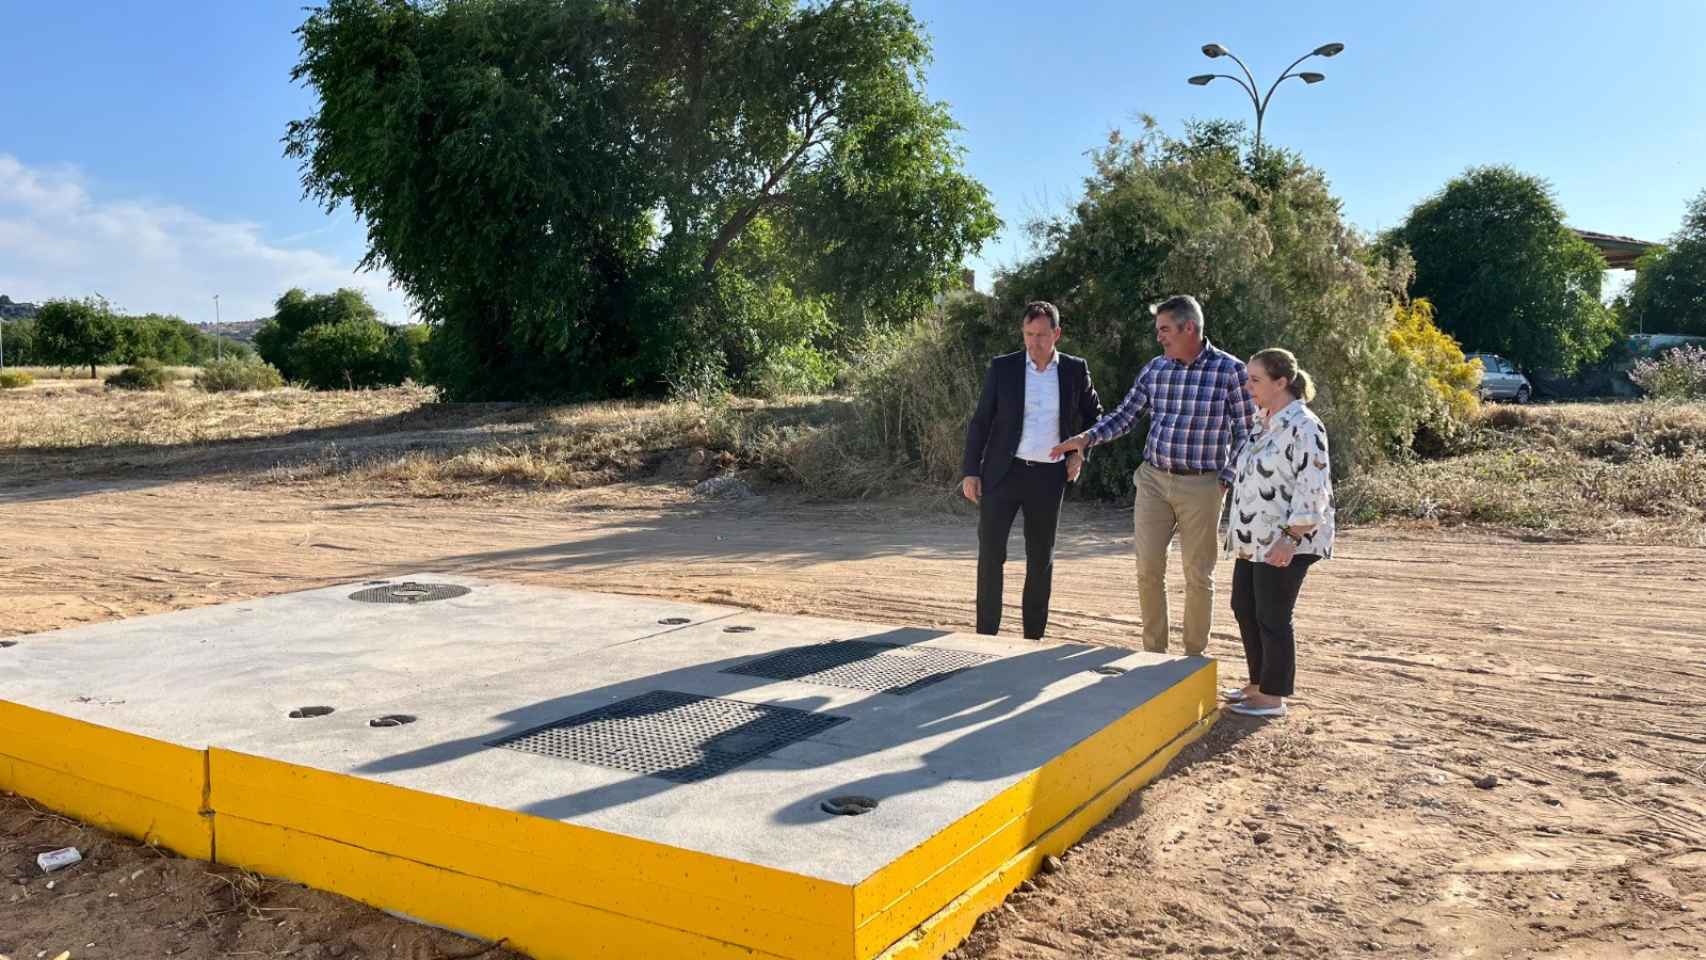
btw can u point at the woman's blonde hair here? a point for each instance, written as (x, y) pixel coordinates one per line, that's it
(1282, 365)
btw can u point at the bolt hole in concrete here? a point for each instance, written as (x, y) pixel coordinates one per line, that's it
(304, 713)
(849, 806)
(738, 629)
(1110, 671)
(674, 621)
(391, 720)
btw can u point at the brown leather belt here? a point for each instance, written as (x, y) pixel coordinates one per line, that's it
(1180, 473)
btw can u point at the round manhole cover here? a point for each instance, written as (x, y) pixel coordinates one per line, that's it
(391, 720)
(674, 621)
(1110, 671)
(304, 713)
(409, 592)
(7, 643)
(849, 806)
(739, 629)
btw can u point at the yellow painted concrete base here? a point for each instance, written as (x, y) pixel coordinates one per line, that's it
(565, 892)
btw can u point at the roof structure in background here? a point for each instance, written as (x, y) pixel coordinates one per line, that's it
(1620, 253)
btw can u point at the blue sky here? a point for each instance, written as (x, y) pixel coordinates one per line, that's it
(140, 156)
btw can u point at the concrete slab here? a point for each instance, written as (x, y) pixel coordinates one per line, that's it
(969, 772)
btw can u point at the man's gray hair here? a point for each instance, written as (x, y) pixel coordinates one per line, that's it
(1183, 306)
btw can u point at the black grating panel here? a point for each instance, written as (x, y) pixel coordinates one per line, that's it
(864, 665)
(408, 592)
(674, 736)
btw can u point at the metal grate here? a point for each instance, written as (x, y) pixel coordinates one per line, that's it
(673, 736)
(864, 665)
(409, 592)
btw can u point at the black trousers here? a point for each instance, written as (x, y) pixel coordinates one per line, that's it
(1037, 490)
(1263, 598)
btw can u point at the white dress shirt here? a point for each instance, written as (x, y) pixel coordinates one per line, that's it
(1041, 431)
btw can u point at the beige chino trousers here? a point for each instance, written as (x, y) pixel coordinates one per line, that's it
(1190, 507)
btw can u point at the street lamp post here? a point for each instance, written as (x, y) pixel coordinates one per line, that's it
(1215, 51)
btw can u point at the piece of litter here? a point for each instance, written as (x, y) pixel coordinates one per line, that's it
(64, 956)
(50, 884)
(58, 859)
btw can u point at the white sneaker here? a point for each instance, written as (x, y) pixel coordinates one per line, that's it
(1246, 710)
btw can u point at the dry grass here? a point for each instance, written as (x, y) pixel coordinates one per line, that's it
(81, 374)
(84, 415)
(1632, 471)
(1626, 471)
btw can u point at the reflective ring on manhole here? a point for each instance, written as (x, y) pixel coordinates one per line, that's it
(391, 720)
(849, 806)
(409, 592)
(674, 621)
(738, 629)
(303, 713)
(1110, 671)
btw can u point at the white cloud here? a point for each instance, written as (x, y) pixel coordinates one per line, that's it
(59, 240)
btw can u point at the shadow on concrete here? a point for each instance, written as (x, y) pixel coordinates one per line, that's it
(980, 720)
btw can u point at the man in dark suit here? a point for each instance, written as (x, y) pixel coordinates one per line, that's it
(1031, 401)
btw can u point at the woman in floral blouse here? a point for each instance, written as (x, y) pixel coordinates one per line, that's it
(1282, 521)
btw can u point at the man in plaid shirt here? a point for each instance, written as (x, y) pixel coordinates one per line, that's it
(1199, 414)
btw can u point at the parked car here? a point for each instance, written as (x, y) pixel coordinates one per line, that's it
(1500, 380)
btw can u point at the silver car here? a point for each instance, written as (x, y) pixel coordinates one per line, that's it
(1500, 380)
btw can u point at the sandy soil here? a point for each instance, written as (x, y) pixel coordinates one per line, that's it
(1574, 675)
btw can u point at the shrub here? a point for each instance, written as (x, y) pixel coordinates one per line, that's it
(1427, 368)
(238, 373)
(347, 355)
(146, 374)
(1678, 374)
(15, 378)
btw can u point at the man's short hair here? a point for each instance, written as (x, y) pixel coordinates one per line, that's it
(1183, 306)
(1042, 308)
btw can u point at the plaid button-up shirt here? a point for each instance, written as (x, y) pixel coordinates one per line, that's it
(1199, 412)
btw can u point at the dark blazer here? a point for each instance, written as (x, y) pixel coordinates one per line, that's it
(993, 435)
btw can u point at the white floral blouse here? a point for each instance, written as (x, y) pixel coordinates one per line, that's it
(1283, 480)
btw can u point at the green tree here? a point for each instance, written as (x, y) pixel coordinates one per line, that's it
(562, 185)
(297, 312)
(1505, 275)
(1669, 292)
(74, 333)
(347, 355)
(18, 342)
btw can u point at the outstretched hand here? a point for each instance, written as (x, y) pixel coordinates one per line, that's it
(1074, 445)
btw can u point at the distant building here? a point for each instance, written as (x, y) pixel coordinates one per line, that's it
(1620, 253)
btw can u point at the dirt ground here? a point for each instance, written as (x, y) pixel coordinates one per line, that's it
(1429, 660)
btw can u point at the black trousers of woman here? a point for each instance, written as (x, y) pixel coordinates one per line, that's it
(1263, 598)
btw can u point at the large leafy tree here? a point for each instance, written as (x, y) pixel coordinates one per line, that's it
(565, 186)
(1505, 275)
(75, 333)
(1669, 292)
